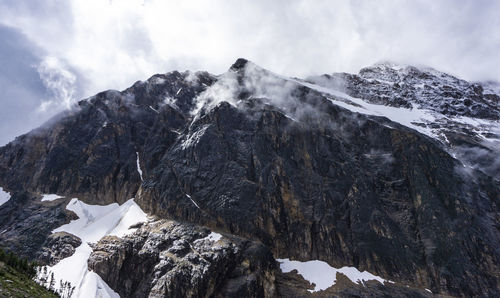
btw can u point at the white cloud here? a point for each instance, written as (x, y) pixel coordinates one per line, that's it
(111, 44)
(60, 82)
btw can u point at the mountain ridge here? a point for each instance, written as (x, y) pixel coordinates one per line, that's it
(308, 170)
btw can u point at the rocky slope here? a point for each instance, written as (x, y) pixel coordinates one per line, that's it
(409, 86)
(336, 168)
(180, 260)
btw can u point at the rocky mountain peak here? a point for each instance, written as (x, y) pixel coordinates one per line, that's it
(239, 64)
(392, 171)
(408, 86)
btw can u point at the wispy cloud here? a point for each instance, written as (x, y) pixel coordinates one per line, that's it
(60, 82)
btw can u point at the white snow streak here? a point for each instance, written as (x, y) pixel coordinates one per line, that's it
(139, 165)
(406, 117)
(194, 137)
(51, 197)
(4, 196)
(93, 223)
(193, 201)
(154, 109)
(323, 275)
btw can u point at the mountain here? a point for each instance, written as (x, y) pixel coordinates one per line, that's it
(254, 184)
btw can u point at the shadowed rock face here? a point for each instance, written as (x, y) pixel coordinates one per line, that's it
(384, 204)
(171, 259)
(91, 151)
(26, 223)
(270, 160)
(58, 246)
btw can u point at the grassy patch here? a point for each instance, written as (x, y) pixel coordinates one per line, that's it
(14, 283)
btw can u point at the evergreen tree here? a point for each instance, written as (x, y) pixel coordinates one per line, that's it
(43, 276)
(62, 286)
(52, 282)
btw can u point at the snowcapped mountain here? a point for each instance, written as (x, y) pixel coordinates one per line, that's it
(463, 116)
(387, 181)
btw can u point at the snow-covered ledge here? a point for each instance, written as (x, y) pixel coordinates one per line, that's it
(93, 223)
(324, 275)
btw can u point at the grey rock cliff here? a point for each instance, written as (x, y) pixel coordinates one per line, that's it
(281, 171)
(171, 259)
(58, 246)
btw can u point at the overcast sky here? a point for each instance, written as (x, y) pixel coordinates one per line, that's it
(55, 52)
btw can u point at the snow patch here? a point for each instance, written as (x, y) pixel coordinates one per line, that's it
(390, 64)
(428, 291)
(194, 137)
(212, 237)
(51, 197)
(193, 201)
(158, 80)
(93, 223)
(323, 275)
(155, 110)
(139, 165)
(171, 102)
(4, 196)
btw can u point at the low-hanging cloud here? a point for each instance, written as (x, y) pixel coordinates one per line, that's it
(60, 82)
(250, 80)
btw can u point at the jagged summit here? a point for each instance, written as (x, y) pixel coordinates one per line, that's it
(239, 64)
(388, 64)
(426, 88)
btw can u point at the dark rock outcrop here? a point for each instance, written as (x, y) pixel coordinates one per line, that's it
(293, 285)
(26, 222)
(170, 259)
(58, 246)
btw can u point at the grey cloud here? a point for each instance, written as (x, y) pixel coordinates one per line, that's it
(24, 90)
(20, 84)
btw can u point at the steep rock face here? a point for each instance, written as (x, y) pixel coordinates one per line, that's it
(334, 185)
(392, 219)
(91, 151)
(275, 160)
(58, 246)
(170, 259)
(26, 222)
